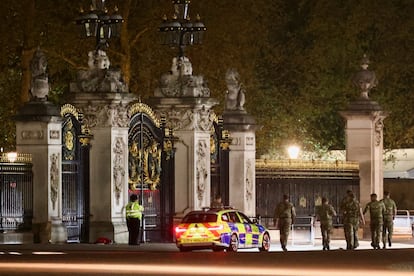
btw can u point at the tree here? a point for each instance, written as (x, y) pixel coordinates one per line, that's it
(295, 59)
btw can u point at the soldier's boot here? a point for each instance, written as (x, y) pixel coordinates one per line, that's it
(389, 241)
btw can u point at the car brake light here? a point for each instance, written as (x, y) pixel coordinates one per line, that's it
(179, 229)
(215, 228)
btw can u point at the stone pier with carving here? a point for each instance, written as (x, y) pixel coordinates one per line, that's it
(242, 155)
(103, 98)
(38, 132)
(183, 99)
(364, 134)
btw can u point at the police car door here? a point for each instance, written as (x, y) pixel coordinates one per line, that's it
(251, 231)
(237, 226)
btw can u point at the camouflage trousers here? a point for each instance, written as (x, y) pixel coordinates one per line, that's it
(326, 229)
(284, 225)
(351, 235)
(376, 232)
(387, 230)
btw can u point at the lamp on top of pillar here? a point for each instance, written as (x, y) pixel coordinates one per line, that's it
(99, 23)
(179, 31)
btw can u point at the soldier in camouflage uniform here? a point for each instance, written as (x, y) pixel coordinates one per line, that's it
(352, 215)
(325, 212)
(376, 213)
(389, 216)
(284, 216)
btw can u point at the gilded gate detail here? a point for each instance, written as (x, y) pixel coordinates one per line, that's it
(150, 170)
(75, 192)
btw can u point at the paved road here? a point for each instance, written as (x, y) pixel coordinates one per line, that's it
(164, 259)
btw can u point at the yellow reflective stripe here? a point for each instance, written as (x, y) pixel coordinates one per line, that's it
(134, 210)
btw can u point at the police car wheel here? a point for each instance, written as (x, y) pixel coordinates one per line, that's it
(234, 244)
(265, 242)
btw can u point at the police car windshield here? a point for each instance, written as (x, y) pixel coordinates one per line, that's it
(192, 218)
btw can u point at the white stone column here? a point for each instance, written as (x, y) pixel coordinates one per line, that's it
(108, 183)
(364, 144)
(108, 123)
(242, 172)
(192, 122)
(39, 132)
(364, 134)
(192, 164)
(183, 99)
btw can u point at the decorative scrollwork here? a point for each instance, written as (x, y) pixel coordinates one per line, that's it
(143, 108)
(144, 166)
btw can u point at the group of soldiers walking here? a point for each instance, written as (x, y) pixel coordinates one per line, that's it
(381, 213)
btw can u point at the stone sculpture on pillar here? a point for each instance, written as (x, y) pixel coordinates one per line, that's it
(180, 81)
(99, 77)
(365, 80)
(235, 96)
(40, 82)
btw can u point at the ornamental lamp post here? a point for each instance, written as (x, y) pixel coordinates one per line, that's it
(179, 31)
(98, 23)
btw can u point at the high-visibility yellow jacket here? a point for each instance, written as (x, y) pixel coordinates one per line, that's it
(133, 210)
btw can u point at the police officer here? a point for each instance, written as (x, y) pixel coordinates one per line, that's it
(352, 215)
(284, 216)
(133, 214)
(376, 213)
(389, 216)
(325, 212)
(217, 202)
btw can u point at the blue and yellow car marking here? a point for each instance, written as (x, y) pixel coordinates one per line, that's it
(219, 233)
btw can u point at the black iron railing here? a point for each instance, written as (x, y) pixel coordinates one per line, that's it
(16, 193)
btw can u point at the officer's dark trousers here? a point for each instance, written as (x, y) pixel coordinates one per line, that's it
(133, 225)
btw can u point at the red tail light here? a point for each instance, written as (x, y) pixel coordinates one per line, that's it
(179, 229)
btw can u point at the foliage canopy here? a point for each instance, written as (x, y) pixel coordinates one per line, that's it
(295, 58)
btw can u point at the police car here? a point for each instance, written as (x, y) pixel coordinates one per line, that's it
(220, 229)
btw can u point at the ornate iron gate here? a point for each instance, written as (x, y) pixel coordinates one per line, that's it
(219, 151)
(151, 171)
(75, 175)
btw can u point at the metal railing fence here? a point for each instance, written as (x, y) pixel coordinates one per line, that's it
(16, 193)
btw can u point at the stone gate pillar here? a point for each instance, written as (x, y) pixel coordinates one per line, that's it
(38, 132)
(103, 98)
(242, 155)
(364, 135)
(184, 101)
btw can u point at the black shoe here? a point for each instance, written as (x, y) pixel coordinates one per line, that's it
(324, 248)
(284, 248)
(389, 242)
(327, 248)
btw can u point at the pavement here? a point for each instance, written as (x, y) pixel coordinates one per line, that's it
(300, 245)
